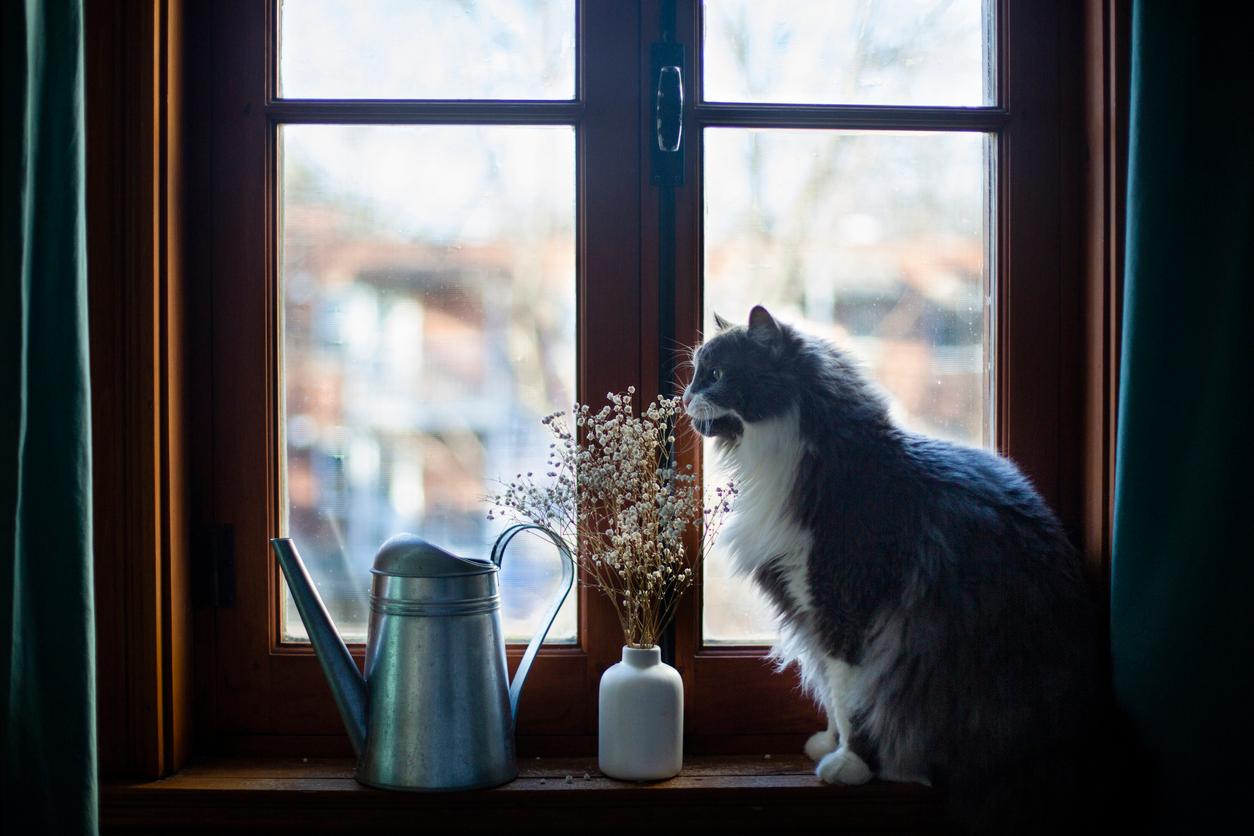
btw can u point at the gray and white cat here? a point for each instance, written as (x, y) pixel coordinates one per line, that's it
(928, 594)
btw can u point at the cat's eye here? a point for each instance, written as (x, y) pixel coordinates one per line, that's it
(716, 374)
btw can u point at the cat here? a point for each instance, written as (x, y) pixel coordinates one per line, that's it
(930, 597)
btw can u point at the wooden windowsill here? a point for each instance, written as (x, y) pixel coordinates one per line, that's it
(732, 793)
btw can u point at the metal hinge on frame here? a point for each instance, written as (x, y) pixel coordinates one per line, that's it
(667, 147)
(214, 582)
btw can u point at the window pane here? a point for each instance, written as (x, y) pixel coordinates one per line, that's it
(880, 52)
(428, 300)
(878, 241)
(434, 49)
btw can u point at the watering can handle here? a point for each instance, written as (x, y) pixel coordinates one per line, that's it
(568, 577)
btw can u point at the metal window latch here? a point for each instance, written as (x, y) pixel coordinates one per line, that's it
(668, 111)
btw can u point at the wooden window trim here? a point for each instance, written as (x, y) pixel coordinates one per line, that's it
(147, 145)
(139, 352)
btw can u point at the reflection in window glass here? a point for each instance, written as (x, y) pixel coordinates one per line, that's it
(433, 49)
(428, 302)
(874, 240)
(880, 52)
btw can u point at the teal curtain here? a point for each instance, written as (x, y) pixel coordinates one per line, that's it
(48, 667)
(1182, 607)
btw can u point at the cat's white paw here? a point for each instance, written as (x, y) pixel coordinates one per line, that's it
(821, 744)
(843, 767)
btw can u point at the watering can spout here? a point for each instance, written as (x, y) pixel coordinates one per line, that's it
(337, 663)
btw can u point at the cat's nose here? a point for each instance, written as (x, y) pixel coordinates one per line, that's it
(687, 398)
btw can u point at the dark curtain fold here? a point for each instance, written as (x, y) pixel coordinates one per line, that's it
(48, 667)
(1181, 608)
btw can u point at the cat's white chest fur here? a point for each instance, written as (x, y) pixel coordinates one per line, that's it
(764, 528)
(763, 525)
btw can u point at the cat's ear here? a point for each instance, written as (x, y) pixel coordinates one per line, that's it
(763, 327)
(720, 323)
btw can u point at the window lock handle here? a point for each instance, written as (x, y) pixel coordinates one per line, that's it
(670, 108)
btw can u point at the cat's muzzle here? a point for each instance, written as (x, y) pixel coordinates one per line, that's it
(725, 426)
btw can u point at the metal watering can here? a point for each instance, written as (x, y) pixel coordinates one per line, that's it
(435, 709)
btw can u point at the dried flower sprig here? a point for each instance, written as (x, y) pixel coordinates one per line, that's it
(614, 494)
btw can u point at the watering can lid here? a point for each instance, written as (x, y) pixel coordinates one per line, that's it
(408, 555)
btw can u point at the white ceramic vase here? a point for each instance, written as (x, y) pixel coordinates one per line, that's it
(641, 718)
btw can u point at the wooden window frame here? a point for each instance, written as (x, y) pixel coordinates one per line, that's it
(1038, 349)
(268, 695)
(165, 96)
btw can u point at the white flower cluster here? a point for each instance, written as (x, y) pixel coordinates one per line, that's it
(634, 520)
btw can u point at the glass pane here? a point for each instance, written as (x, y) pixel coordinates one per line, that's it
(878, 241)
(428, 300)
(434, 49)
(870, 52)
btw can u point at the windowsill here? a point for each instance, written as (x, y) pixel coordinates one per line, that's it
(745, 792)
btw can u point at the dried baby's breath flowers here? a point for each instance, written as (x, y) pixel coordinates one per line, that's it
(614, 494)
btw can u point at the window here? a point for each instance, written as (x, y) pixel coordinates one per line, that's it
(878, 239)
(427, 278)
(432, 223)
